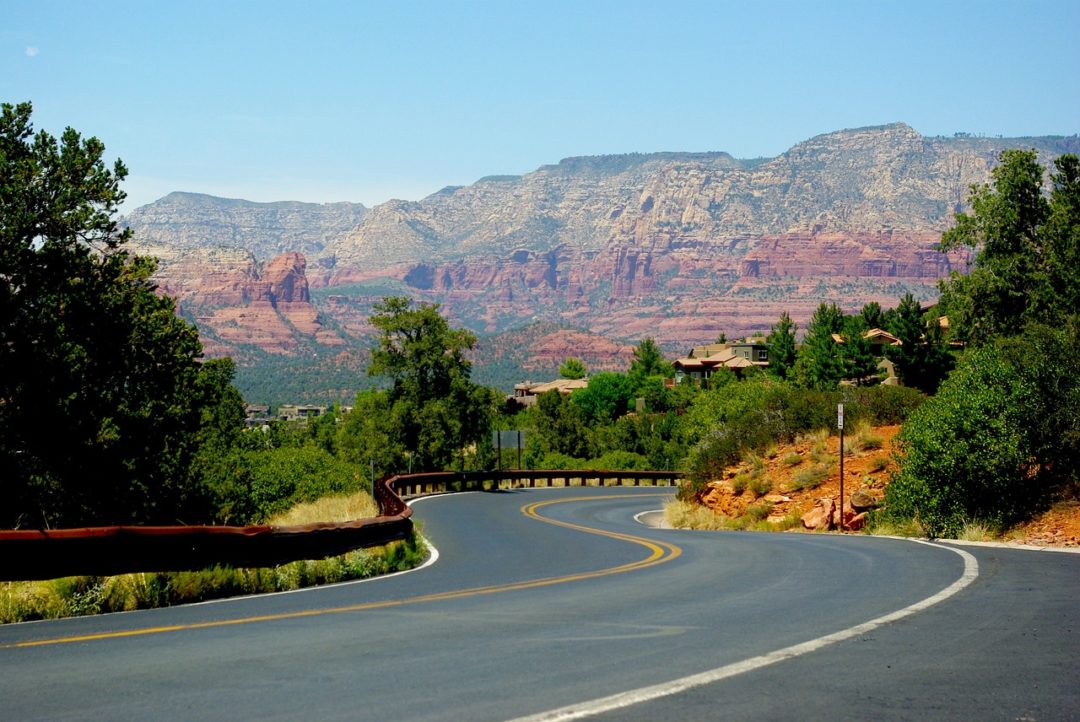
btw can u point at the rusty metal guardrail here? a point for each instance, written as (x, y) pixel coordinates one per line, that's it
(49, 553)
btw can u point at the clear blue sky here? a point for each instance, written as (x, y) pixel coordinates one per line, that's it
(365, 101)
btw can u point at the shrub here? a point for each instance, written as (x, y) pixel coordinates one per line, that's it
(878, 463)
(555, 460)
(615, 460)
(760, 485)
(880, 405)
(791, 459)
(809, 478)
(758, 512)
(1001, 434)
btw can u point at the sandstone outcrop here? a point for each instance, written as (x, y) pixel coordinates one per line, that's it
(240, 302)
(677, 246)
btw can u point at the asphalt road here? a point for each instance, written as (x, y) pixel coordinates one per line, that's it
(520, 617)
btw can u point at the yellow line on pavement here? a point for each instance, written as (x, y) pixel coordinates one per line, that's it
(659, 552)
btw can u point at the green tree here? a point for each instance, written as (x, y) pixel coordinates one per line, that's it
(860, 365)
(872, 316)
(608, 396)
(649, 361)
(221, 432)
(1027, 249)
(573, 369)
(922, 358)
(1062, 234)
(819, 364)
(781, 343)
(1001, 435)
(558, 427)
(368, 434)
(100, 408)
(435, 409)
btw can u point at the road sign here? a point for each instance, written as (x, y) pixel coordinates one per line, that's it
(840, 416)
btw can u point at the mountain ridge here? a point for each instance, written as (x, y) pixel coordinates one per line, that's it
(680, 246)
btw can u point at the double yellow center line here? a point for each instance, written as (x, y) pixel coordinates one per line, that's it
(659, 552)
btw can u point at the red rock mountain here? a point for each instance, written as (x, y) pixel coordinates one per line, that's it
(677, 246)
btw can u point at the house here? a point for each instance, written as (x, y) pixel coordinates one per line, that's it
(294, 412)
(256, 415)
(879, 339)
(525, 394)
(703, 361)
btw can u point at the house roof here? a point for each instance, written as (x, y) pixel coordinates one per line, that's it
(720, 357)
(564, 386)
(707, 350)
(877, 334)
(726, 358)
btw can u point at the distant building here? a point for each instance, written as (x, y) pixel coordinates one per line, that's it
(703, 361)
(256, 415)
(294, 412)
(525, 394)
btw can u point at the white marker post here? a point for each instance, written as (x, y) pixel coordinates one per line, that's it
(840, 426)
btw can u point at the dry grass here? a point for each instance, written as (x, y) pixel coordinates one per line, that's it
(684, 515)
(906, 528)
(977, 531)
(791, 459)
(791, 520)
(878, 463)
(821, 436)
(809, 478)
(863, 438)
(329, 509)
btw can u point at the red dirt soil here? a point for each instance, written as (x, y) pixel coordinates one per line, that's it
(867, 469)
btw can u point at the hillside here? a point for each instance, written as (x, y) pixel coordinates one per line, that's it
(678, 246)
(784, 501)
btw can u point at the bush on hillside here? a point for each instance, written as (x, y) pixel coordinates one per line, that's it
(252, 486)
(1000, 436)
(755, 414)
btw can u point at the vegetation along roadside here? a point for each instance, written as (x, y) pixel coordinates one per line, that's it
(93, 356)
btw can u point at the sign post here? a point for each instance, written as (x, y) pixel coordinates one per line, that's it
(840, 426)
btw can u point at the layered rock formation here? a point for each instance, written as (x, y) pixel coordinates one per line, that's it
(679, 246)
(236, 301)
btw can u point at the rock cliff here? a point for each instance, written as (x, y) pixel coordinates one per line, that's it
(679, 246)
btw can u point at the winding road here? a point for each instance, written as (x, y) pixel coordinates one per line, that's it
(556, 604)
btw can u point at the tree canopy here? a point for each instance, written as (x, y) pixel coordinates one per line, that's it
(781, 343)
(101, 402)
(818, 365)
(649, 361)
(1027, 250)
(573, 368)
(435, 410)
(1002, 434)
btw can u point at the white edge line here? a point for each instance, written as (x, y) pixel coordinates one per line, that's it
(665, 689)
